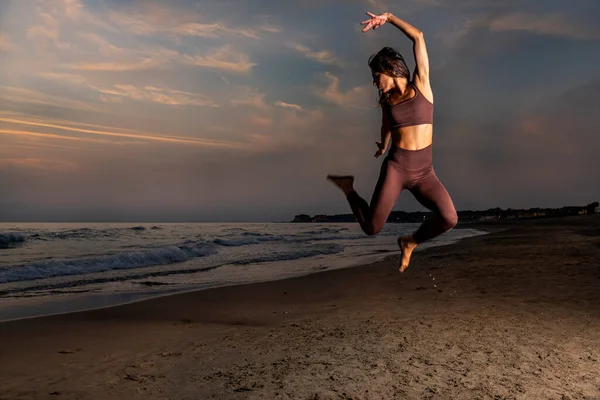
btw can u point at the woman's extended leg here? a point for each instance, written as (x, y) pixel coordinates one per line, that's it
(432, 194)
(373, 217)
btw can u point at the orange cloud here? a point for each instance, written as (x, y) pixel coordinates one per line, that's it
(147, 93)
(357, 97)
(158, 95)
(142, 136)
(248, 96)
(119, 66)
(21, 117)
(48, 32)
(288, 105)
(22, 95)
(211, 30)
(52, 136)
(322, 56)
(76, 11)
(155, 18)
(102, 44)
(224, 58)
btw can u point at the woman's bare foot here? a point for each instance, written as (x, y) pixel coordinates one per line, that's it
(345, 183)
(407, 245)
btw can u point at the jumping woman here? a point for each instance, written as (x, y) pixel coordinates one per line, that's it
(407, 108)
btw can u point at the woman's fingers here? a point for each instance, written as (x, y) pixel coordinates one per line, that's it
(375, 22)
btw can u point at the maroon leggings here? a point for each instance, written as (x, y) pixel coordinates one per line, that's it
(412, 170)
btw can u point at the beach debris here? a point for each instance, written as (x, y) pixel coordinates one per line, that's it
(69, 351)
(142, 378)
(433, 279)
(170, 354)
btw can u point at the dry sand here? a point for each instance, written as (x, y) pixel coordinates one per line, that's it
(515, 315)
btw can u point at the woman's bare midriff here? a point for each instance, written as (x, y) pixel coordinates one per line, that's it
(412, 137)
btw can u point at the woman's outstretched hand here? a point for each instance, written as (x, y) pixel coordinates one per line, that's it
(375, 21)
(380, 151)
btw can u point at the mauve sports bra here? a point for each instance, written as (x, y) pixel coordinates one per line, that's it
(415, 111)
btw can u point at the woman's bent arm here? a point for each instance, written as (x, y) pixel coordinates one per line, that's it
(419, 47)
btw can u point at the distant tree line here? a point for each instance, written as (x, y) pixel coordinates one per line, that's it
(466, 215)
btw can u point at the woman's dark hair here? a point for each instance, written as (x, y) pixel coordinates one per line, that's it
(390, 62)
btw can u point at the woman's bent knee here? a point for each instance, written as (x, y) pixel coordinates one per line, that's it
(450, 220)
(372, 229)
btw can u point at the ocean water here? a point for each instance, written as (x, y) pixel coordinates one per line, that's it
(49, 268)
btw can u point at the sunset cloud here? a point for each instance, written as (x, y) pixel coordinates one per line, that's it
(248, 96)
(102, 45)
(75, 10)
(212, 30)
(157, 19)
(357, 97)
(47, 33)
(114, 134)
(223, 58)
(25, 119)
(51, 136)
(322, 56)
(120, 66)
(28, 96)
(158, 95)
(147, 93)
(288, 105)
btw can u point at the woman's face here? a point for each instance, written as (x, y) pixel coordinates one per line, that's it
(383, 82)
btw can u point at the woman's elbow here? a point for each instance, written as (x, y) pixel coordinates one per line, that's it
(418, 35)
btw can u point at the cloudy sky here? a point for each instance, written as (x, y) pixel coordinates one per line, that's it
(235, 110)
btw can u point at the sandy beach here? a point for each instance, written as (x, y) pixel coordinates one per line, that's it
(514, 314)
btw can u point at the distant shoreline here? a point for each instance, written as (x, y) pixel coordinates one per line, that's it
(464, 216)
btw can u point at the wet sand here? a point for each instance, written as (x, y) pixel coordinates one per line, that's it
(514, 314)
